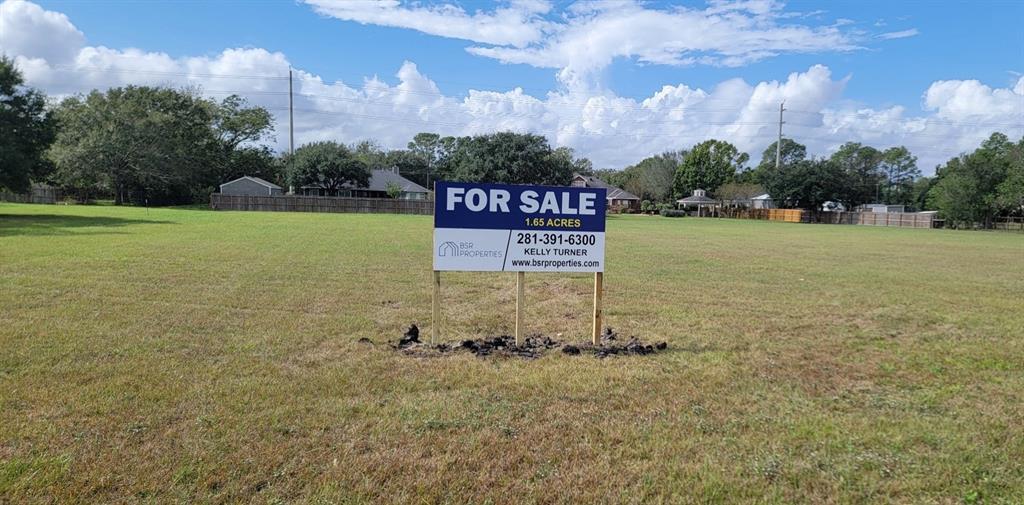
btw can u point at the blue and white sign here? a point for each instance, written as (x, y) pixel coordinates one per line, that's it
(501, 227)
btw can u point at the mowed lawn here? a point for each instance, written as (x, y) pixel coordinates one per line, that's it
(185, 355)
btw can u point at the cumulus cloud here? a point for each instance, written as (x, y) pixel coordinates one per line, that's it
(900, 34)
(31, 32)
(613, 131)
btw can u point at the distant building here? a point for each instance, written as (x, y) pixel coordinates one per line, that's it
(618, 198)
(704, 204)
(881, 208)
(250, 186)
(762, 202)
(380, 180)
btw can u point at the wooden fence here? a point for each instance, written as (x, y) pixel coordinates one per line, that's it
(902, 220)
(290, 203)
(38, 194)
(893, 219)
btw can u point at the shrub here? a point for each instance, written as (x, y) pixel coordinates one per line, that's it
(673, 212)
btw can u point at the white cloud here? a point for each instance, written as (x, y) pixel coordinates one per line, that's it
(899, 35)
(613, 131)
(589, 36)
(516, 25)
(31, 32)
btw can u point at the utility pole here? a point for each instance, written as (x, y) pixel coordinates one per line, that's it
(778, 144)
(291, 115)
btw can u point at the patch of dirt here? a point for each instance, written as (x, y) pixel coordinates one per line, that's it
(532, 347)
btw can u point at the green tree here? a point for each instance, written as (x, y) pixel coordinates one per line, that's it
(506, 157)
(808, 184)
(739, 192)
(393, 189)
(767, 175)
(143, 144)
(328, 165)
(707, 166)
(1010, 192)
(157, 145)
(968, 188)
(861, 167)
(899, 169)
(26, 131)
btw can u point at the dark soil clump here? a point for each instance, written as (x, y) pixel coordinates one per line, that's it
(532, 347)
(412, 336)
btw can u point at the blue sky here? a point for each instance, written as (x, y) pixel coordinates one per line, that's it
(947, 77)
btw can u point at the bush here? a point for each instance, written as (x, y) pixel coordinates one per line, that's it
(673, 213)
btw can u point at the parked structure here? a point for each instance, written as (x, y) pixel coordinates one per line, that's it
(618, 198)
(704, 204)
(250, 186)
(380, 182)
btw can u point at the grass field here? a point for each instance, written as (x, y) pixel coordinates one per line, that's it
(184, 355)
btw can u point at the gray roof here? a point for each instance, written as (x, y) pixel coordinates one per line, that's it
(696, 200)
(257, 180)
(614, 193)
(379, 180)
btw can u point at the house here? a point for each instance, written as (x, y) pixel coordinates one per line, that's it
(881, 208)
(705, 205)
(618, 198)
(250, 186)
(380, 182)
(762, 202)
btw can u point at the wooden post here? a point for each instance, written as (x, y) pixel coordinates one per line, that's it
(520, 281)
(598, 295)
(435, 316)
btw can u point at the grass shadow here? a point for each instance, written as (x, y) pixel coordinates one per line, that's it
(55, 224)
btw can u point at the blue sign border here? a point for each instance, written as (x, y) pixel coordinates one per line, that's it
(516, 219)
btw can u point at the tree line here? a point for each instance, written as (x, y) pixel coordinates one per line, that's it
(159, 146)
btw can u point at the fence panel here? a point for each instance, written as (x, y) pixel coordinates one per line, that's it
(292, 203)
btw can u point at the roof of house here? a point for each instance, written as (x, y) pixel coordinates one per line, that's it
(614, 193)
(691, 200)
(257, 180)
(379, 180)
(765, 196)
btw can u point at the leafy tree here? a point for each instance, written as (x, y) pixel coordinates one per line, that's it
(513, 158)
(709, 165)
(739, 191)
(899, 169)
(393, 189)
(328, 165)
(861, 167)
(411, 166)
(919, 200)
(1010, 192)
(968, 187)
(26, 131)
(808, 184)
(652, 177)
(767, 175)
(141, 143)
(157, 145)
(256, 161)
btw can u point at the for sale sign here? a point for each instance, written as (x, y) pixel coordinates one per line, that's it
(500, 227)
